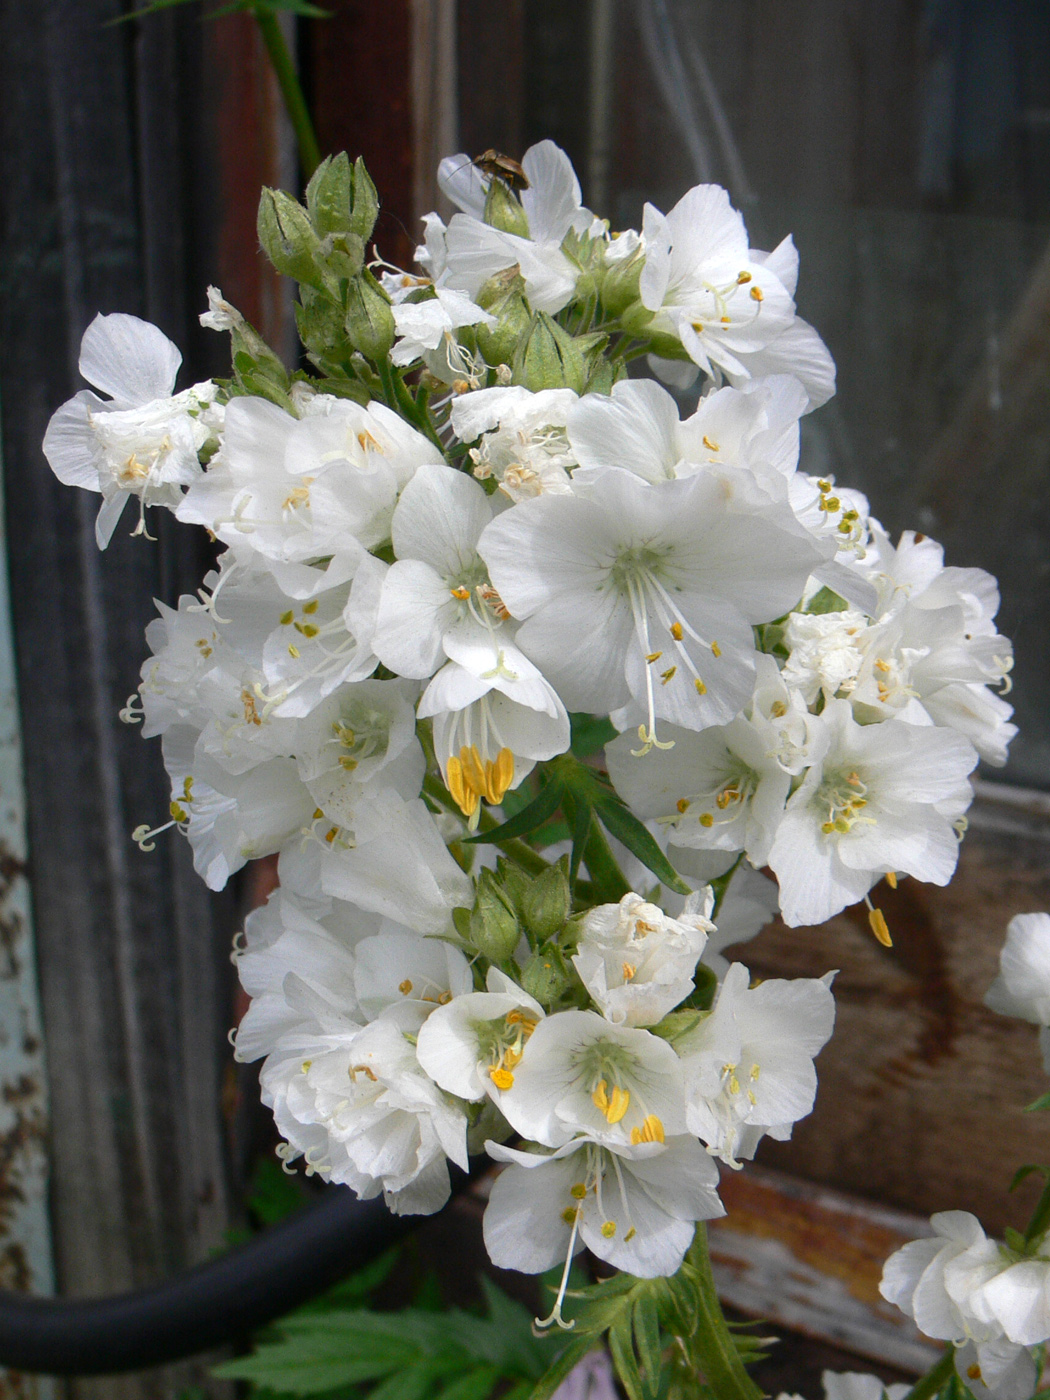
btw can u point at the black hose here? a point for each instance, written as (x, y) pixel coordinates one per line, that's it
(207, 1306)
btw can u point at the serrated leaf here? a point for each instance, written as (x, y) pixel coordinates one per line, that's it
(413, 1383)
(622, 1350)
(313, 1363)
(528, 819)
(639, 840)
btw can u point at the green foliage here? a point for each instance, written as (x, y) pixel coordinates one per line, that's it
(334, 1347)
(826, 601)
(301, 8)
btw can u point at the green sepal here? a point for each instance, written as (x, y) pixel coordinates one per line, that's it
(826, 600)
(1038, 1105)
(503, 210)
(329, 193)
(290, 241)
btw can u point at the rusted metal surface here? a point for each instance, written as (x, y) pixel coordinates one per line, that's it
(808, 1258)
(25, 1237)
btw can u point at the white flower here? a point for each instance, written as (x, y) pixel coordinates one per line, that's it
(438, 579)
(999, 1369)
(402, 977)
(884, 798)
(649, 590)
(293, 492)
(424, 327)
(360, 1110)
(1017, 1297)
(472, 1045)
(1022, 987)
(523, 441)
(297, 965)
(636, 961)
(141, 441)
(394, 863)
(633, 1206)
(855, 1385)
(749, 1064)
(581, 1074)
(494, 716)
(552, 203)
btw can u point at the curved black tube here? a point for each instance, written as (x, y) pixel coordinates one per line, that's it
(208, 1305)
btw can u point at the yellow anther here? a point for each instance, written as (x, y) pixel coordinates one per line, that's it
(293, 651)
(628, 971)
(309, 629)
(756, 1070)
(667, 675)
(891, 879)
(404, 987)
(578, 1191)
(347, 763)
(502, 1078)
(881, 665)
(305, 1068)
(498, 776)
(743, 278)
(676, 631)
(701, 689)
(877, 920)
(827, 828)
(734, 1084)
(286, 618)
(711, 446)
(730, 793)
(725, 320)
(298, 496)
(466, 797)
(756, 293)
(630, 1235)
(251, 715)
(461, 592)
(311, 606)
(318, 814)
(778, 709)
(825, 484)
(512, 1057)
(652, 1130)
(653, 656)
(844, 528)
(706, 819)
(178, 812)
(841, 824)
(683, 804)
(613, 1105)
(831, 503)
(973, 1372)
(716, 650)
(698, 326)
(368, 443)
(331, 834)
(568, 1215)
(609, 1229)
(355, 1070)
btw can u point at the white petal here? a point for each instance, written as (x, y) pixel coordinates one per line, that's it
(129, 359)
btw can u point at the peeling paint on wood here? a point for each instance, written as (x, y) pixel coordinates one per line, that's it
(809, 1259)
(25, 1237)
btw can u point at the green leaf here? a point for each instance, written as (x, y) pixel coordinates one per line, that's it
(527, 820)
(607, 879)
(720, 884)
(625, 1361)
(579, 816)
(645, 1320)
(590, 733)
(1015, 1239)
(413, 1383)
(626, 827)
(576, 1350)
(1043, 1102)
(475, 1385)
(826, 601)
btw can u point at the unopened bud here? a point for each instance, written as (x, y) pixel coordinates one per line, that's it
(503, 210)
(494, 930)
(328, 195)
(290, 241)
(503, 296)
(546, 975)
(369, 320)
(365, 209)
(549, 358)
(546, 903)
(619, 285)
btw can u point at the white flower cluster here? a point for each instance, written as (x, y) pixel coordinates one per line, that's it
(420, 577)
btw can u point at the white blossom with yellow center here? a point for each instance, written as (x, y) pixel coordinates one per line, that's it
(472, 1046)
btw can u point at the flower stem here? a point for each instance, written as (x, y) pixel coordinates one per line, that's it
(1040, 1221)
(288, 81)
(711, 1344)
(934, 1379)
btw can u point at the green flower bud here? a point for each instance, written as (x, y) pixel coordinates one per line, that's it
(635, 318)
(344, 254)
(549, 358)
(369, 320)
(503, 210)
(546, 976)
(329, 193)
(546, 903)
(365, 207)
(494, 930)
(619, 285)
(290, 242)
(503, 296)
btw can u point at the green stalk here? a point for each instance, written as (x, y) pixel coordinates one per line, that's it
(935, 1378)
(712, 1345)
(288, 81)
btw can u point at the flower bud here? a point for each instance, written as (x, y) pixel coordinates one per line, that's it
(369, 320)
(546, 975)
(635, 318)
(328, 195)
(503, 210)
(549, 358)
(494, 930)
(365, 208)
(289, 240)
(546, 903)
(503, 296)
(619, 285)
